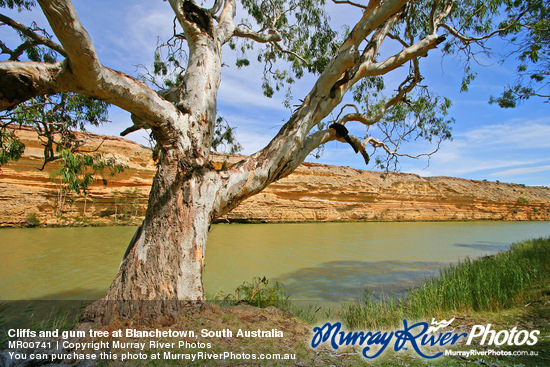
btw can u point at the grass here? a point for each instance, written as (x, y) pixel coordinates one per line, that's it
(257, 293)
(38, 316)
(490, 283)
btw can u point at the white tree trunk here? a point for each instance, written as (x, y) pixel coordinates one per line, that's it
(162, 270)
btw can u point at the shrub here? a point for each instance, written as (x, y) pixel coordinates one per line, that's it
(32, 219)
(258, 293)
(522, 200)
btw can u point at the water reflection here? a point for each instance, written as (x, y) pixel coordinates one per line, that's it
(345, 280)
(492, 247)
(322, 261)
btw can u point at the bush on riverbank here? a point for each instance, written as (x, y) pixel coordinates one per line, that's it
(257, 293)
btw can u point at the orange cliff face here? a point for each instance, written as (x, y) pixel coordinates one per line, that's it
(314, 192)
(25, 189)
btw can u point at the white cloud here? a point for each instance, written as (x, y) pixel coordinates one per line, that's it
(140, 29)
(244, 93)
(515, 134)
(513, 150)
(521, 171)
(251, 141)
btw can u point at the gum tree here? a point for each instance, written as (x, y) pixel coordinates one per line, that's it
(165, 259)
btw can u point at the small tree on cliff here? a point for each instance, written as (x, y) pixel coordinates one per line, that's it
(293, 38)
(78, 171)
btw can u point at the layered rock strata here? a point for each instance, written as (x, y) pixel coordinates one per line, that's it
(314, 192)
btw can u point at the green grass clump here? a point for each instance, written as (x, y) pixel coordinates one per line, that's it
(258, 293)
(38, 316)
(373, 313)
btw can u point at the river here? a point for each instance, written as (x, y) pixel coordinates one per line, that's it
(315, 261)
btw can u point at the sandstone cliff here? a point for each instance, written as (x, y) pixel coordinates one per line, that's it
(314, 192)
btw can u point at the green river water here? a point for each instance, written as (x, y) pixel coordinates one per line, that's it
(315, 261)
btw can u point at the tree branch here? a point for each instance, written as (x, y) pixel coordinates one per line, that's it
(311, 143)
(226, 25)
(242, 181)
(466, 39)
(195, 21)
(31, 34)
(344, 81)
(398, 39)
(100, 82)
(177, 7)
(361, 148)
(359, 117)
(5, 49)
(378, 37)
(403, 89)
(376, 143)
(21, 48)
(75, 40)
(442, 15)
(22, 80)
(278, 46)
(376, 14)
(216, 7)
(364, 7)
(292, 143)
(432, 16)
(256, 36)
(420, 48)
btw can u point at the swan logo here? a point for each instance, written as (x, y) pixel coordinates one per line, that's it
(439, 325)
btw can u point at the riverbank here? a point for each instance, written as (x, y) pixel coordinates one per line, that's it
(314, 192)
(527, 309)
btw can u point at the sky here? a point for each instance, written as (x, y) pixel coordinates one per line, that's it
(508, 145)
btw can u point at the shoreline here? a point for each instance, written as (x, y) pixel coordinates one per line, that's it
(138, 222)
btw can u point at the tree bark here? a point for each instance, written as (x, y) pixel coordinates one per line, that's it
(161, 274)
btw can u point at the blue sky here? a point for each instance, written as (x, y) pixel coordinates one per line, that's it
(509, 145)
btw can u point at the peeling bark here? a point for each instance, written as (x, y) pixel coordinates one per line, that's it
(19, 87)
(199, 16)
(21, 81)
(161, 274)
